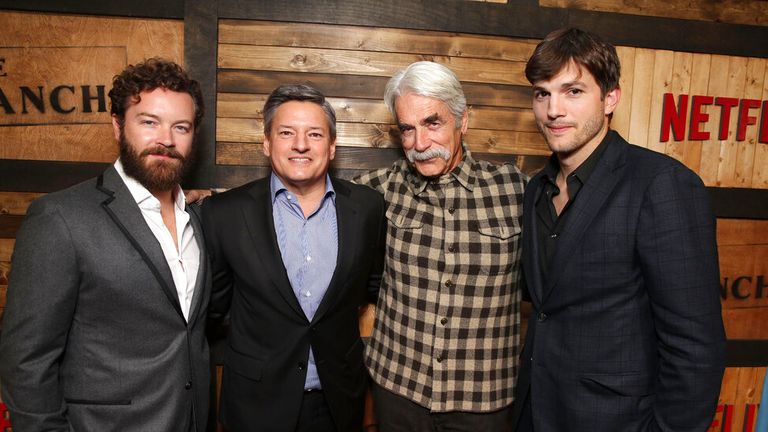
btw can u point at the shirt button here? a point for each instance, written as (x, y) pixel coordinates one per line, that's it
(188, 385)
(444, 321)
(449, 284)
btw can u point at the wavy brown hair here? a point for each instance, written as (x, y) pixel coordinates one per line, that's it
(149, 75)
(585, 49)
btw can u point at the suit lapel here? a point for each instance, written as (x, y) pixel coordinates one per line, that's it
(587, 206)
(531, 265)
(348, 226)
(202, 270)
(261, 227)
(122, 208)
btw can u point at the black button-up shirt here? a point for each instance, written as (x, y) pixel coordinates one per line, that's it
(550, 225)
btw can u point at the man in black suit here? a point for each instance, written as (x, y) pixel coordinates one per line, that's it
(620, 261)
(294, 256)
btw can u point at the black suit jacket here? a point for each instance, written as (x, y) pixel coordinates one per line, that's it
(627, 333)
(268, 345)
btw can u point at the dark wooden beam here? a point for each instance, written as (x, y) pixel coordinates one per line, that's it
(739, 203)
(515, 19)
(45, 176)
(170, 9)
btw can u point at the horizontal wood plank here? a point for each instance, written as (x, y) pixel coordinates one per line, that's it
(45, 176)
(249, 106)
(363, 87)
(294, 59)
(752, 12)
(78, 143)
(741, 232)
(378, 39)
(9, 225)
(746, 323)
(5, 268)
(6, 249)
(16, 203)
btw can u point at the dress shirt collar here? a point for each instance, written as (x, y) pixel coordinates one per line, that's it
(276, 187)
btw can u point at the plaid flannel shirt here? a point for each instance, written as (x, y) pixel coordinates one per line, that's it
(447, 327)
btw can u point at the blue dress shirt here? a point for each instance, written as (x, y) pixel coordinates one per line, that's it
(309, 248)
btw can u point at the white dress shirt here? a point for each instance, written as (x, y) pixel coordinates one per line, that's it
(183, 258)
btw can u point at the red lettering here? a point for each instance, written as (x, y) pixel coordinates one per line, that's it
(725, 114)
(670, 117)
(744, 118)
(698, 117)
(764, 124)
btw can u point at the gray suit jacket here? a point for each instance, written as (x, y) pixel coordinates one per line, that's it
(93, 337)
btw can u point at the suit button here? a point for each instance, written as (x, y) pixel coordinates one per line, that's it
(188, 385)
(444, 321)
(542, 317)
(451, 210)
(449, 284)
(452, 248)
(439, 358)
(302, 365)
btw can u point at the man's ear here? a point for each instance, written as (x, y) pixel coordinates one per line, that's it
(611, 100)
(116, 127)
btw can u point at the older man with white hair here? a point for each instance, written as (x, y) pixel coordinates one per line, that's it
(444, 348)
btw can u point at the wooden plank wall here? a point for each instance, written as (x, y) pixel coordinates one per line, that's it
(351, 65)
(754, 12)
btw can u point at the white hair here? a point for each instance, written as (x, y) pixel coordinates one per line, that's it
(429, 79)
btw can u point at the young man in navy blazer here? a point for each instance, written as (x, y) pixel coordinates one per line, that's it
(620, 261)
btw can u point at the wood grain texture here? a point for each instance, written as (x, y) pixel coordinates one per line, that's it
(642, 97)
(745, 323)
(700, 66)
(16, 203)
(364, 87)
(680, 84)
(342, 37)
(74, 143)
(6, 249)
(348, 62)
(752, 12)
(710, 149)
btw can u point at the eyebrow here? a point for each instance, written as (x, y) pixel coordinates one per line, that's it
(157, 117)
(431, 119)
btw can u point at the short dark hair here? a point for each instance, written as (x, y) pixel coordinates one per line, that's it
(297, 92)
(586, 49)
(149, 75)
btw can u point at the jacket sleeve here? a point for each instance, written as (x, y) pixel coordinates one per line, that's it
(41, 300)
(221, 291)
(377, 269)
(678, 253)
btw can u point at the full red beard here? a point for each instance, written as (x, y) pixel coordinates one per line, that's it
(155, 175)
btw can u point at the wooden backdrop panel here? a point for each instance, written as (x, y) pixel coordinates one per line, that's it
(754, 12)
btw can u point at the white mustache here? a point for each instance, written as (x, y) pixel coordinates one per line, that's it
(414, 155)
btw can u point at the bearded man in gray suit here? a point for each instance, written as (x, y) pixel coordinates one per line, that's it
(107, 297)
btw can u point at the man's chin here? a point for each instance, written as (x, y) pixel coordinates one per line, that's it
(430, 167)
